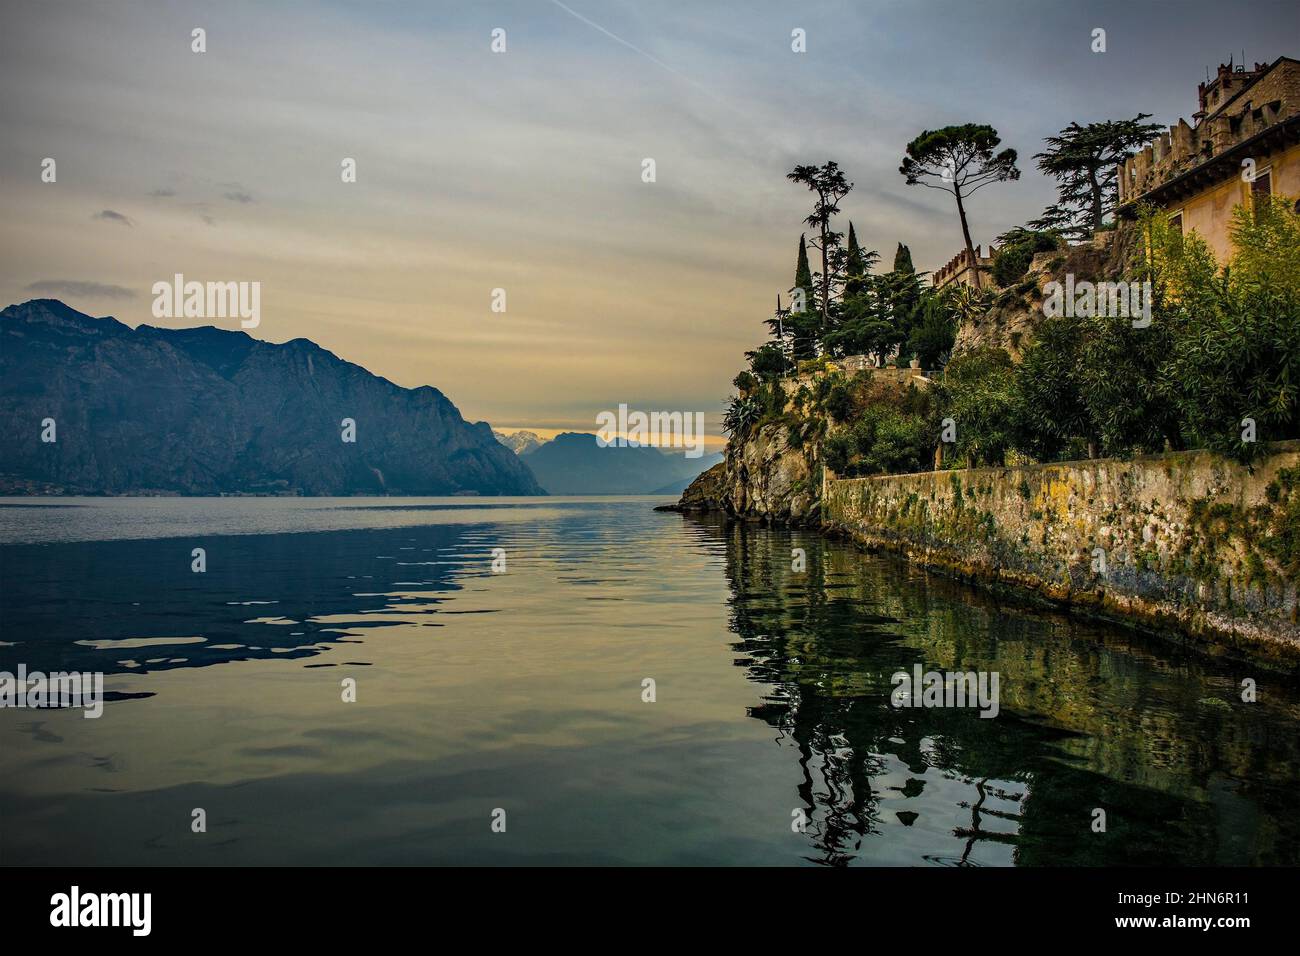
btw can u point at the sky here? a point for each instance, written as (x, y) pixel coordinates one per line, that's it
(522, 170)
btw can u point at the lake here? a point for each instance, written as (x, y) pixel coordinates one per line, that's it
(499, 652)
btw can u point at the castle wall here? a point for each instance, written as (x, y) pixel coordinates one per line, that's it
(1185, 536)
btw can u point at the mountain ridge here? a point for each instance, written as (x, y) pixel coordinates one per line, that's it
(203, 410)
(572, 463)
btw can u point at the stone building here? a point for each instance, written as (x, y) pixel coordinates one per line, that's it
(1244, 141)
(958, 270)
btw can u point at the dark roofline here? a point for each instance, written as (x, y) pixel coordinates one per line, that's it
(1214, 168)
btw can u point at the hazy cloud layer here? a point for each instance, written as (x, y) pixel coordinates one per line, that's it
(110, 215)
(77, 289)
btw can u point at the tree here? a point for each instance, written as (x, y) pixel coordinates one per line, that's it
(858, 326)
(900, 295)
(1236, 354)
(932, 337)
(959, 160)
(903, 259)
(1052, 415)
(830, 186)
(1084, 160)
(767, 361)
(979, 394)
(798, 327)
(858, 264)
(803, 275)
(864, 328)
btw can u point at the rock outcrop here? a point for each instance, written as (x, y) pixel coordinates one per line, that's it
(768, 479)
(762, 478)
(1012, 320)
(704, 494)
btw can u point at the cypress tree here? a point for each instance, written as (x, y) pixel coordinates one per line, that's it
(803, 275)
(903, 259)
(855, 266)
(904, 296)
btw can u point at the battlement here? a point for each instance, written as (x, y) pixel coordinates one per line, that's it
(958, 269)
(1235, 107)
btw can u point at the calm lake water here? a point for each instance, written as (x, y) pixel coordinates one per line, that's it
(522, 691)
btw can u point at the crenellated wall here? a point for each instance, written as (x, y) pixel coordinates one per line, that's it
(1185, 540)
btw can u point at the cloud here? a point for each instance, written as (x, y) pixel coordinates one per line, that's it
(112, 216)
(238, 196)
(76, 287)
(163, 193)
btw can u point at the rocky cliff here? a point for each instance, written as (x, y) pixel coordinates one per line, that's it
(769, 479)
(772, 469)
(705, 493)
(205, 411)
(1013, 317)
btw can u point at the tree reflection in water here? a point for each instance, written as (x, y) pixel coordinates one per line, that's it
(1092, 716)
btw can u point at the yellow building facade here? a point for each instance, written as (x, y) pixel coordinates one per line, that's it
(1245, 143)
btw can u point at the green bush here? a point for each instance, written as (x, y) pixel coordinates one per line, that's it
(767, 361)
(979, 395)
(1011, 262)
(837, 452)
(839, 401)
(1223, 347)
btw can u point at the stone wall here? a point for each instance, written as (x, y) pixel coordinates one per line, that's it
(1186, 541)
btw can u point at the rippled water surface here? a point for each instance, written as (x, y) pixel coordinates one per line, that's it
(523, 691)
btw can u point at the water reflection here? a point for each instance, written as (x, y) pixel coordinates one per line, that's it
(524, 689)
(1091, 717)
(136, 605)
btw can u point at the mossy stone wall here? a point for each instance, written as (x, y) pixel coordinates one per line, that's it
(1185, 540)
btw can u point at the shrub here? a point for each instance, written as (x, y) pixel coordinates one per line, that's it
(839, 401)
(767, 361)
(837, 452)
(1011, 262)
(979, 395)
(741, 414)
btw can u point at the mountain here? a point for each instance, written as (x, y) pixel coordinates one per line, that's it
(573, 464)
(205, 411)
(521, 443)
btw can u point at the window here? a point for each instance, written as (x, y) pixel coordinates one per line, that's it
(1263, 184)
(1176, 222)
(1261, 188)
